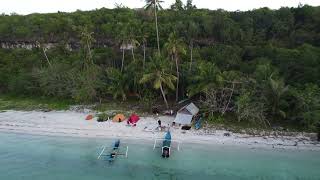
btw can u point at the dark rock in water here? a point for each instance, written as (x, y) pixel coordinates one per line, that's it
(227, 134)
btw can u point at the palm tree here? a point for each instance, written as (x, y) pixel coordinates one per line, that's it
(144, 35)
(123, 39)
(119, 85)
(277, 89)
(207, 77)
(133, 42)
(159, 76)
(174, 47)
(191, 33)
(155, 4)
(87, 40)
(44, 50)
(123, 48)
(144, 40)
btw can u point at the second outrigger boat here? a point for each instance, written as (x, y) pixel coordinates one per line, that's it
(114, 152)
(166, 145)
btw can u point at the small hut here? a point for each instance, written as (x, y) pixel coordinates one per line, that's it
(186, 114)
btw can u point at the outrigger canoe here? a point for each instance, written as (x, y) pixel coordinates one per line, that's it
(166, 145)
(114, 152)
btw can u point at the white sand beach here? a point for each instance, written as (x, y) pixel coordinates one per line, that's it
(71, 123)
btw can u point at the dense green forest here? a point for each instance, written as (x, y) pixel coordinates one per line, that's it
(260, 66)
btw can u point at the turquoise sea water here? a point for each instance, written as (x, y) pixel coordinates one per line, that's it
(27, 157)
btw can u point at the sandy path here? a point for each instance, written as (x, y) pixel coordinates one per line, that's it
(70, 123)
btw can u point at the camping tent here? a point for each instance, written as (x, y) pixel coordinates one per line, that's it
(118, 118)
(185, 114)
(89, 117)
(133, 119)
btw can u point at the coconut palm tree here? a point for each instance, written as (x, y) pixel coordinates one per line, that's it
(191, 33)
(123, 46)
(157, 73)
(277, 90)
(119, 85)
(155, 4)
(133, 42)
(143, 38)
(87, 40)
(44, 50)
(144, 41)
(174, 47)
(207, 77)
(123, 39)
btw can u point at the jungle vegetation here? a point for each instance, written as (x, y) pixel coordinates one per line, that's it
(260, 66)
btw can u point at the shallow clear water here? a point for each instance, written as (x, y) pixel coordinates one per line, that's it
(29, 157)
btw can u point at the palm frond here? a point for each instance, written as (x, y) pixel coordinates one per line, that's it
(157, 83)
(148, 5)
(146, 78)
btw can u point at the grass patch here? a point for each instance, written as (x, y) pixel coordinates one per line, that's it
(229, 122)
(126, 107)
(8, 102)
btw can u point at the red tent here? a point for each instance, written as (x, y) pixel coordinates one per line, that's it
(89, 117)
(133, 119)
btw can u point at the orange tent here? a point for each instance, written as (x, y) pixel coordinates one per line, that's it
(118, 118)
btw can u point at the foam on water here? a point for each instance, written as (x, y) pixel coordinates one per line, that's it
(52, 158)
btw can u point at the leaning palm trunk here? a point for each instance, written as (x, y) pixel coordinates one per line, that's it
(45, 54)
(89, 53)
(122, 62)
(191, 55)
(172, 59)
(177, 88)
(157, 30)
(132, 51)
(164, 96)
(229, 100)
(144, 54)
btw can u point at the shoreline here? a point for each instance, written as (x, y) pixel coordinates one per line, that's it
(73, 124)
